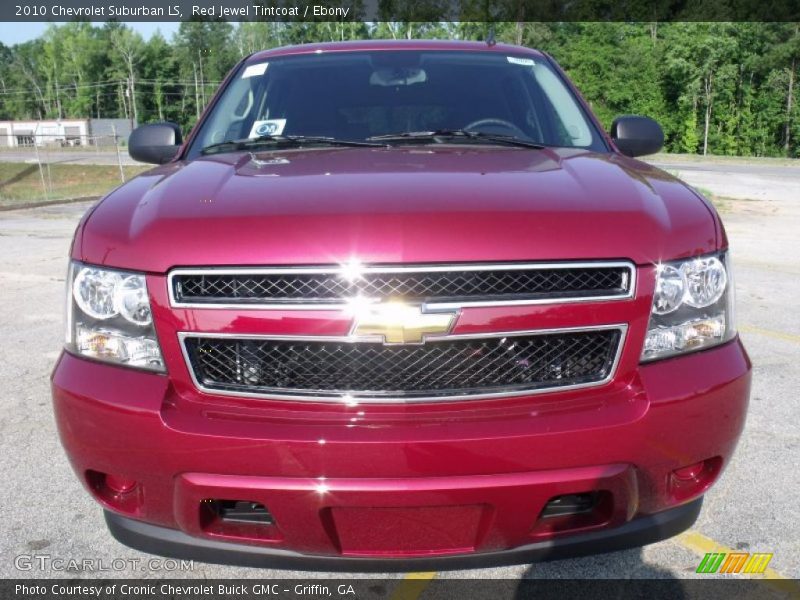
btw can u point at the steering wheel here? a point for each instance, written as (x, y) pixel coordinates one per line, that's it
(480, 123)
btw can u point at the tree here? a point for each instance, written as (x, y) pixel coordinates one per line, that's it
(727, 88)
(129, 48)
(26, 60)
(205, 52)
(696, 52)
(158, 71)
(81, 60)
(785, 55)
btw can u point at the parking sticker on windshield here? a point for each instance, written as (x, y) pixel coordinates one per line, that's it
(516, 60)
(255, 70)
(267, 127)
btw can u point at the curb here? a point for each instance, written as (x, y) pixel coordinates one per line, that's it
(48, 203)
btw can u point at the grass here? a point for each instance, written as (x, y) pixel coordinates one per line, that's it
(721, 203)
(21, 183)
(725, 204)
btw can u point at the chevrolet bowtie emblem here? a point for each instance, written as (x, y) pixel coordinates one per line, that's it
(399, 323)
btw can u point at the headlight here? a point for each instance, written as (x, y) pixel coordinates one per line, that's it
(108, 317)
(692, 307)
(670, 290)
(705, 281)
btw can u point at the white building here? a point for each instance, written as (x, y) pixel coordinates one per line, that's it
(23, 133)
(63, 132)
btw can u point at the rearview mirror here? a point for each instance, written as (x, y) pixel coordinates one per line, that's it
(155, 143)
(637, 136)
(395, 76)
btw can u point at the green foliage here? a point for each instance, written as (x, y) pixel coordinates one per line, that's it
(730, 88)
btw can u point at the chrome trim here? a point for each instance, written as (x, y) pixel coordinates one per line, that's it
(354, 397)
(324, 305)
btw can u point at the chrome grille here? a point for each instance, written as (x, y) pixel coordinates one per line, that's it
(452, 284)
(447, 368)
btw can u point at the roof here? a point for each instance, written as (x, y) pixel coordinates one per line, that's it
(392, 45)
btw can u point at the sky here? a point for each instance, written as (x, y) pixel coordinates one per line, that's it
(16, 33)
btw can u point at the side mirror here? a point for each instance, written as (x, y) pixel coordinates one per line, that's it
(637, 136)
(155, 143)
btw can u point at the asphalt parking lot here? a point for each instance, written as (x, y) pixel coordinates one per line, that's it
(753, 508)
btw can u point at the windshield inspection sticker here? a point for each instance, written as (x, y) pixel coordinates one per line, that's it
(526, 62)
(268, 127)
(255, 70)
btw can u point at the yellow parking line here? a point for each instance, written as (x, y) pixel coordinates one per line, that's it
(778, 335)
(702, 545)
(413, 585)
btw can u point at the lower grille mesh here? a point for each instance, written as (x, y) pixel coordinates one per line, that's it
(330, 369)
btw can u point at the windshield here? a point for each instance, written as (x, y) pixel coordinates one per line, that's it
(358, 96)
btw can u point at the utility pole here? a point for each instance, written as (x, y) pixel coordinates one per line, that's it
(790, 101)
(58, 102)
(122, 100)
(39, 160)
(119, 158)
(708, 87)
(196, 93)
(132, 88)
(130, 99)
(202, 84)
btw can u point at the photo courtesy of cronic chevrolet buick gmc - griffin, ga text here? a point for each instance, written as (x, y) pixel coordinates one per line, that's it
(399, 305)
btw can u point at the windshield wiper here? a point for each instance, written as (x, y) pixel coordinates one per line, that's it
(449, 134)
(288, 140)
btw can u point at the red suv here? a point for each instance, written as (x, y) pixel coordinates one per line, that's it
(395, 305)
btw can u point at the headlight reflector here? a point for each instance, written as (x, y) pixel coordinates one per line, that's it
(705, 281)
(692, 307)
(93, 290)
(109, 318)
(131, 301)
(670, 289)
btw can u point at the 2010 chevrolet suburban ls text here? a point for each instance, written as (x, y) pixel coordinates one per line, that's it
(399, 305)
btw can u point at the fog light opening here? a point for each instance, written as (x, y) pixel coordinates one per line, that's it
(569, 504)
(690, 473)
(574, 512)
(246, 519)
(117, 492)
(240, 511)
(693, 480)
(120, 485)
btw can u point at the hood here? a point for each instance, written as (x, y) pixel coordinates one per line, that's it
(416, 204)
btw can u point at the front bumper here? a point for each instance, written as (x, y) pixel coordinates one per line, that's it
(464, 489)
(176, 544)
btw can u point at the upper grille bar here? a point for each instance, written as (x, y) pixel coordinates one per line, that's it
(441, 286)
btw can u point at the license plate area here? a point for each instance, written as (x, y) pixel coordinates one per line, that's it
(411, 530)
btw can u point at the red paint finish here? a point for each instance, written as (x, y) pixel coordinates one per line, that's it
(496, 204)
(400, 480)
(509, 459)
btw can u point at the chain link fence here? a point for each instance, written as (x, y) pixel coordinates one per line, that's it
(38, 168)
